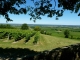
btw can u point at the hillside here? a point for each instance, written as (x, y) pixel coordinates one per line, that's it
(45, 42)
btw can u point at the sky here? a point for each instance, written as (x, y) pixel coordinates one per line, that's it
(67, 19)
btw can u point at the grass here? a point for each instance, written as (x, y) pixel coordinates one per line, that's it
(75, 34)
(59, 31)
(45, 42)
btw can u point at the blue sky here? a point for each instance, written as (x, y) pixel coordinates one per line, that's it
(67, 19)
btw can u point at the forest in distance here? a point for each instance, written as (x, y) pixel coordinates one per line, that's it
(43, 25)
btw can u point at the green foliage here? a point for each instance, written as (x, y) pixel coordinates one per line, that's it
(58, 31)
(37, 28)
(46, 7)
(32, 34)
(17, 36)
(36, 38)
(66, 33)
(45, 32)
(3, 35)
(42, 32)
(40, 8)
(78, 38)
(45, 43)
(27, 38)
(24, 26)
(13, 7)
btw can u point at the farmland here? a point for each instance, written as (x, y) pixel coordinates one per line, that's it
(58, 31)
(34, 40)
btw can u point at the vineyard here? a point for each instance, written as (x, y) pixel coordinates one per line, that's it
(34, 40)
(16, 35)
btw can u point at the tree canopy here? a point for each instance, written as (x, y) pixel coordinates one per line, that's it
(66, 33)
(24, 26)
(40, 8)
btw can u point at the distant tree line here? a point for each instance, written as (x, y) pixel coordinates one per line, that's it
(7, 26)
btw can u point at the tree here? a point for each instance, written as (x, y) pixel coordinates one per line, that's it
(24, 26)
(66, 33)
(13, 7)
(41, 7)
(37, 28)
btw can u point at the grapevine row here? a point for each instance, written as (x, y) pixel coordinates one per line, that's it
(36, 38)
(16, 34)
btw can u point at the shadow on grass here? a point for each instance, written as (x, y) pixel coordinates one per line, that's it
(17, 54)
(71, 52)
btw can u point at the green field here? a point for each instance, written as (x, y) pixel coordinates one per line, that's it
(59, 31)
(45, 42)
(34, 40)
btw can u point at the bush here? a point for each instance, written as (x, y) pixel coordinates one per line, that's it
(27, 38)
(48, 33)
(71, 37)
(43, 32)
(24, 26)
(17, 36)
(3, 35)
(37, 28)
(78, 38)
(23, 35)
(36, 38)
(66, 33)
(32, 34)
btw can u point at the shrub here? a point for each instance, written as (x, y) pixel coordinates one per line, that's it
(66, 33)
(78, 38)
(48, 33)
(42, 32)
(37, 28)
(23, 35)
(32, 34)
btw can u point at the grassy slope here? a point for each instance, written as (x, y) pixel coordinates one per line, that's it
(45, 42)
